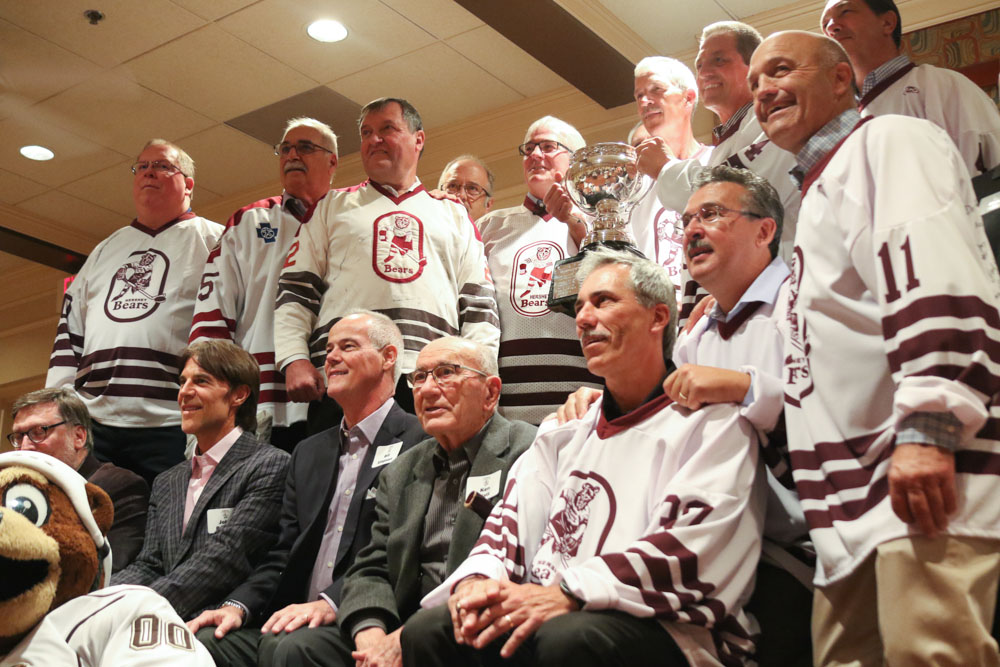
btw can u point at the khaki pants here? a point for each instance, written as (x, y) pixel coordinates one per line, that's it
(915, 601)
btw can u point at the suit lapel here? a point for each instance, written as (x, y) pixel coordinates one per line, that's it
(177, 485)
(226, 468)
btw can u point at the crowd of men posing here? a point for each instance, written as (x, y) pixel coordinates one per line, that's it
(775, 434)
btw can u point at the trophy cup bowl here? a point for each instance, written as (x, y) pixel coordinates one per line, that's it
(604, 181)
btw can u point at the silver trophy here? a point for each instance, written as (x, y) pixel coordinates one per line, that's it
(604, 181)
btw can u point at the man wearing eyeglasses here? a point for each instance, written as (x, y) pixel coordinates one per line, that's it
(125, 317)
(386, 245)
(422, 530)
(240, 282)
(291, 601)
(468, 178)
(629, 536)
(56, 422)
(891, 354)
(540, 358)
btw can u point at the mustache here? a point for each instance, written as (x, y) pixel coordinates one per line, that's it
(698, 244)
(294, 164)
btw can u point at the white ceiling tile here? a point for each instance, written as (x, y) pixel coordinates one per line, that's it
(439, 82)
(375, 34)
(209, 85)
(128, 29)
(741, 9)
(670, 29)
(95, 220)
(229, 161)
(110, 188)
(503, 59)
(441, 18)
(117, 112)
(15, 188)
(32, 68)
(215, 9)
(75, 157)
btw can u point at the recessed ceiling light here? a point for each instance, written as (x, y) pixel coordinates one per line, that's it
(327, 31)
(37, 153)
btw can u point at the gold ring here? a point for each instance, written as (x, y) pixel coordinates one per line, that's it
(683, 397)
(458, 607)
(510, 623)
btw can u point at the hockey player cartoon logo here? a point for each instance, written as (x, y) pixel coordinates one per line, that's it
(532, 274)
(798, 379)
(670, 242)
(575, 509)
(137, 287)
(398, 252)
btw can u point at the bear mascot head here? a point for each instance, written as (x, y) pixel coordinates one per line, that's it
(52, 540)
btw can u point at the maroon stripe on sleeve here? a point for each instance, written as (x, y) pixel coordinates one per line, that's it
(944, 340)
(960, 307)
(851, 510)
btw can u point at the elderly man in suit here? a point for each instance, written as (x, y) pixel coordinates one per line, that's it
(422, 531)
(211, 520)
(56, 422)
(293, 594)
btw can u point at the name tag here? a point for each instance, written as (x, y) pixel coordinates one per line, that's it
(370, 495)
(486, 485)
(217, 518)
(386, 454)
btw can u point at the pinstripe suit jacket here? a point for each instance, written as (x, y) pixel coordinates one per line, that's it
(195, 570)
(384, 581)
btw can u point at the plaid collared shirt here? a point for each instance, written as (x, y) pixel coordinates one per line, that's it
(822, 143)
(719, 132)
(882, 72)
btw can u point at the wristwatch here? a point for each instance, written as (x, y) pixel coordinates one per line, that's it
(568, 593)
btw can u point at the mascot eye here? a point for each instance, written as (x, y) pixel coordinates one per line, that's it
(29, 501)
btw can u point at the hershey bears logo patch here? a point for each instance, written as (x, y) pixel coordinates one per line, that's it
(137, 287)
(398, 247)
(584, 511)
(532, 274)
(669, 242)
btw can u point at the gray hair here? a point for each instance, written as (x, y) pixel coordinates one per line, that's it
(382, 331)
(468, 157)
(647, 279)
(329, 137)
(747, 37)
(71, 408)
(185, 163)
(568, 134)
(761, 198)
(410, 113)
(669, 71)
(483, 358)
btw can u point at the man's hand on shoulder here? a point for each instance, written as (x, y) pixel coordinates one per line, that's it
(303, 381)
(922, 485)
(294, 616)
(375, 648)
(693, 386)
(577, 404)
(225, 619)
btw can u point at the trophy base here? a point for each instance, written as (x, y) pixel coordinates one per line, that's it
(565, 286)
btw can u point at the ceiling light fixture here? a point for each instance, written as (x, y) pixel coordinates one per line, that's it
(327, 30)
(37, 153)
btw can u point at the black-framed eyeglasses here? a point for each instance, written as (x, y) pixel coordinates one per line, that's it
(158, 166)
(547, 147)
(36, 434)
(712, 214)
(301, 148)
(472, 190)
(444, 374)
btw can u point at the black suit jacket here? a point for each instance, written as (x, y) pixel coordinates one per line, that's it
(194, 569)
(384, 581)
(283, 576)
(129, 494)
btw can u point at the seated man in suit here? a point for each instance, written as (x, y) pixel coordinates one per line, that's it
(295, 590)
(56, 422)
(629, 536)
(422, 530)
(212, 519)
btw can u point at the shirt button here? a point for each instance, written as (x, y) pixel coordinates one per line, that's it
(354, 457)
(340, 529)
(329, 563)
(347, 492)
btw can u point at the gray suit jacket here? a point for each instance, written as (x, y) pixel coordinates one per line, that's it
(195, 570)
(384, 582)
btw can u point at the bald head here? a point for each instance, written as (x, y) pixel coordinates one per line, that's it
(800, 81)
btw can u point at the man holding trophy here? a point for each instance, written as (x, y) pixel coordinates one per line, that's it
(540, 358)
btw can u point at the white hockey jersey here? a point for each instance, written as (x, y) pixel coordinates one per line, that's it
(656, 513)
(948, 99)
(541, 361)
(238, 291)
(745, 146)
(126, 318)
(892, 311)
(417, 259)
(112, 627)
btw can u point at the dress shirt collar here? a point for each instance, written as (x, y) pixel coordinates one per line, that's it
(722, 132)
(824, 141)
(369, 426)
(764, 289)
(467, 451)
(294, 205)
(215, 453)
(399, 193)
(883, 72)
